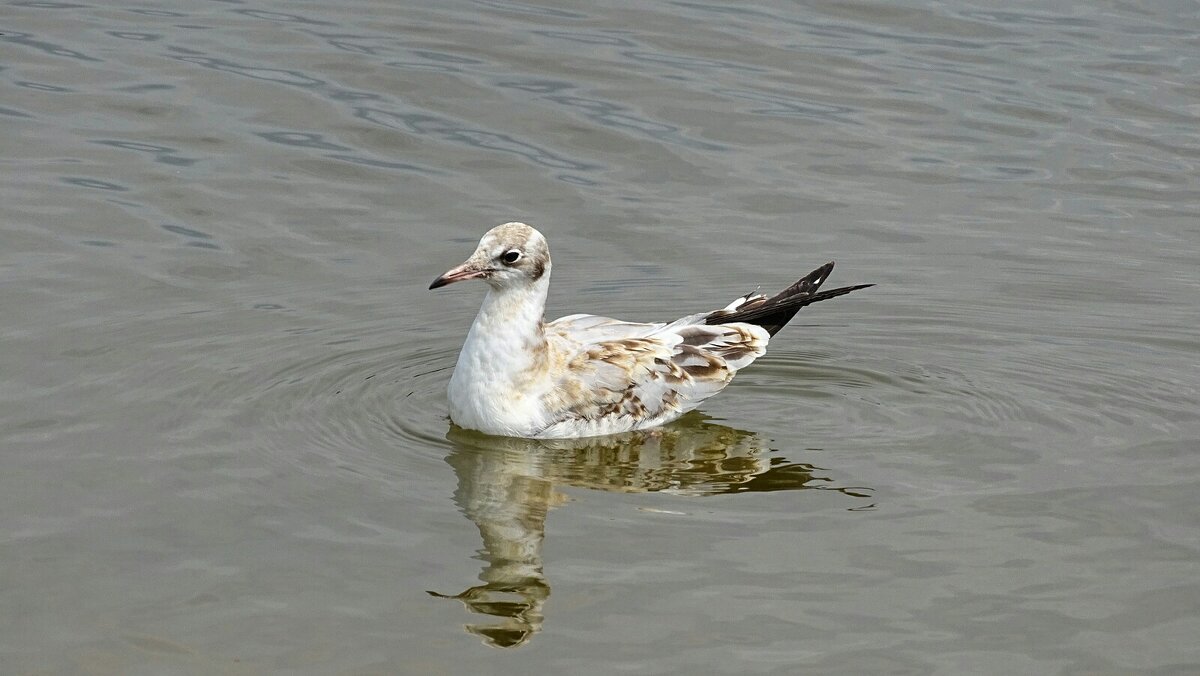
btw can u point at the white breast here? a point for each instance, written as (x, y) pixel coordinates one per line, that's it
(482, 396)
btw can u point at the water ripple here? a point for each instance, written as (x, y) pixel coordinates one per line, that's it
(163, 154)
(523, 8)
(282, 17)
(219, 220)
(95, 183)
(29, 40)
(278, 75)
(425, 124)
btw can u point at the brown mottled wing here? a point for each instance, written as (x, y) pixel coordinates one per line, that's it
(663, 373)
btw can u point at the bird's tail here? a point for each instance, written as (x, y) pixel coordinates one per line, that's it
(775, 312)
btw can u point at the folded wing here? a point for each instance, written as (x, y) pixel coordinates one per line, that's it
(621, 376)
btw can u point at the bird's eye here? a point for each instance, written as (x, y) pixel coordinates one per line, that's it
(511, 256)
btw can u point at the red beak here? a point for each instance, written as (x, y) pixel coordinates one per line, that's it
(461, 273)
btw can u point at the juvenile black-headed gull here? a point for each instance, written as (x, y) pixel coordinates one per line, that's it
(583, 375)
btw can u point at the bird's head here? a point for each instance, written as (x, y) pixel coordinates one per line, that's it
(509, 256)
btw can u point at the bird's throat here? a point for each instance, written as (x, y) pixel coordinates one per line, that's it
(507, 337)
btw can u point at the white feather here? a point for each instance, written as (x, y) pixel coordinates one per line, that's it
(581, 375)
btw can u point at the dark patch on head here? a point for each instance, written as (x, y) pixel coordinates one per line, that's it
(538, 269)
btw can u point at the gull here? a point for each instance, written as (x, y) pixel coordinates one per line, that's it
(582, 375)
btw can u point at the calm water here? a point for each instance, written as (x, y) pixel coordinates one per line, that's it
(224, 436)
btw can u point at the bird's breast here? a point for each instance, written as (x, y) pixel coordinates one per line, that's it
(493, 391)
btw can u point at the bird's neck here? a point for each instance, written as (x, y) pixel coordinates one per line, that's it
(507, 334)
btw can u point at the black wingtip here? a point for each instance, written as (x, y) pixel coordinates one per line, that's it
(805, 285)
(774, 313)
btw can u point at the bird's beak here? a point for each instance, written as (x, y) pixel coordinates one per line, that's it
(469, 270)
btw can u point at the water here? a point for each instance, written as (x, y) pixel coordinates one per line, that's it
(222, 409)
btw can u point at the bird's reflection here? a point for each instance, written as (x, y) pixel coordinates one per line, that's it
(507, 485)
